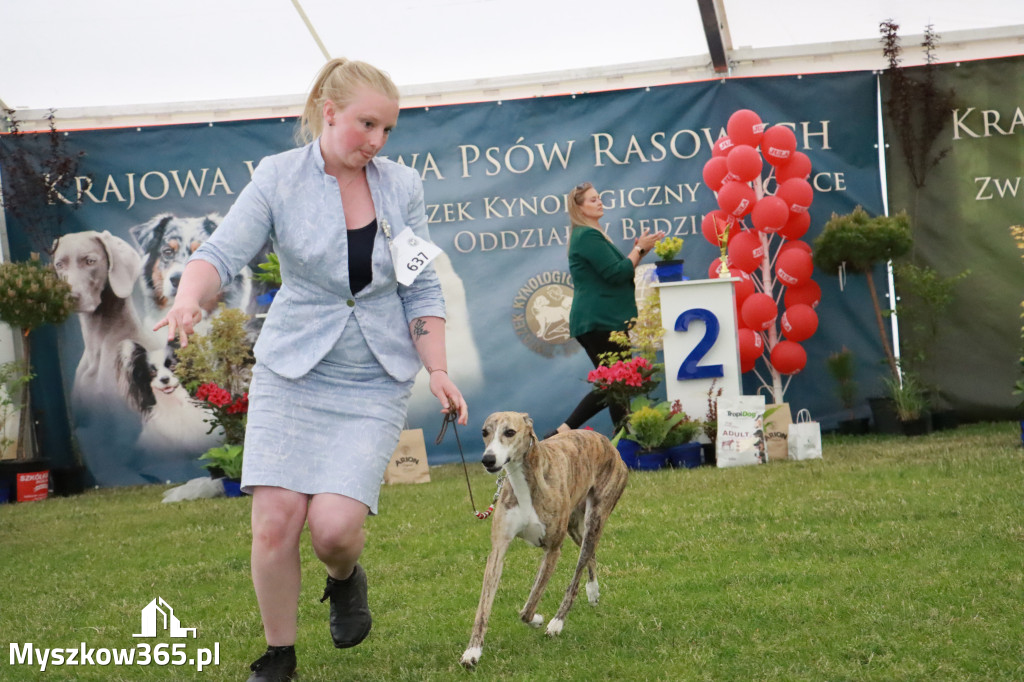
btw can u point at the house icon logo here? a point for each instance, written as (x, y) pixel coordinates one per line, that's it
(159, 612)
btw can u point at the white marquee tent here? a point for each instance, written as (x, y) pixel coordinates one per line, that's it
(111, 62)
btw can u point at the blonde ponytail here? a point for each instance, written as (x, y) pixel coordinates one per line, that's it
(338, 81)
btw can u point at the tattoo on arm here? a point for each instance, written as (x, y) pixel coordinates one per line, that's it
(419, 328)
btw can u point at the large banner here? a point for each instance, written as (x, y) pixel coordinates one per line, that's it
(496, 175)
(963, 195)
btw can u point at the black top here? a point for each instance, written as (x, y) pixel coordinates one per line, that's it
(360, 256)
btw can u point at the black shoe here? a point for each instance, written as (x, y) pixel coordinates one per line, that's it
(350, 610)
(276, 665)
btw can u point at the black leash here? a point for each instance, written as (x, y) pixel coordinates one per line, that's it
(450, 419)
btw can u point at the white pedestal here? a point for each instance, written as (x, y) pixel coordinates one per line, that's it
(699, 317)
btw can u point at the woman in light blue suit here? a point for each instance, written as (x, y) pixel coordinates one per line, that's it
(338, 352)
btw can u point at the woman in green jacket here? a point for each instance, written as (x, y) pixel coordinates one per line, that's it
(603, 299)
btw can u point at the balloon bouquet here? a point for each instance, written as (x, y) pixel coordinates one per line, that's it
(767, 255)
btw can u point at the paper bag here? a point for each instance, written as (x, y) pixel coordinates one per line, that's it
(804, 437)
(740, 438)
(409, 461)
(777, 419)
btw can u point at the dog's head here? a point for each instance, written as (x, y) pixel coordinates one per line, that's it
(145, 375)
(508, 436)
(90, 261)
(167, 242)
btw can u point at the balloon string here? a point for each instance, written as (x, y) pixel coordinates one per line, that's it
(842, 275)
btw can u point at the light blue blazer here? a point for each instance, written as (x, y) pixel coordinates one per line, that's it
(292, 201)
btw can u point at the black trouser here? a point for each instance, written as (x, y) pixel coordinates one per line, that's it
(596, 343)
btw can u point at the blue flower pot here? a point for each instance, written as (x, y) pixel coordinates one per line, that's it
(669, 270)
(232, 488)
(685, 456)
(628, 450)
(651, 461)
(638, 460)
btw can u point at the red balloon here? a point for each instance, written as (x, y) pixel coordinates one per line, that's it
(778, 144)
(808, 293)
(722, 146)
(788, 357)
(789, 246)
(770, 214)
(799, 322)
(745, 127)
(715, 171)
(797, 193)
(796, 226)
(743, 288)
(746, 251)
(751, 346)
(759, 312)
(715, 223)
(744, 162)
(794, 267)
(736, 199)
(713, 269)
(798, 166)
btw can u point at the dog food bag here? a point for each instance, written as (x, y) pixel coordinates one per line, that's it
(740, 438)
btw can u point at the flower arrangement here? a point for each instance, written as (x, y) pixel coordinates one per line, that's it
(668, 247)
(229, 411)
(623, 380)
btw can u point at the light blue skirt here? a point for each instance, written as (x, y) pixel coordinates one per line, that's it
(331, 431)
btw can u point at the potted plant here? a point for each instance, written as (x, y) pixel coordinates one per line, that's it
(840, 366)
(1017, 232)
(668, 268)
(622, 380)
(709, 425)
(648, 426)
(681, 446)
(31, 294)
(216, 368)
(858, 243)
(225, 462)
(924, 298)
(911, 405)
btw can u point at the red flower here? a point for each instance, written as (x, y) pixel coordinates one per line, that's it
(240, 406)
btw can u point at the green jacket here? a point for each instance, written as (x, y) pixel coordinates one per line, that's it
(602, 279)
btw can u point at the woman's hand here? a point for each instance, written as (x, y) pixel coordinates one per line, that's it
(646, 241)
(180, 320)
(448, 394)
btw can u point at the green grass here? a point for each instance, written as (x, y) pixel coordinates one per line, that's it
(891, 559)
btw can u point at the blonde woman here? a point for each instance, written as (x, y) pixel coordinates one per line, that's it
(603, 297)
(338, 352)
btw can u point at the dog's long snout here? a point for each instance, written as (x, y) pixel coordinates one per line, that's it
(488, 460)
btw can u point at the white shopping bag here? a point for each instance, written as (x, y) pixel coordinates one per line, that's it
(804, 437)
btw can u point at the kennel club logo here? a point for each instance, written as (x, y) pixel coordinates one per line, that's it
(540, 313)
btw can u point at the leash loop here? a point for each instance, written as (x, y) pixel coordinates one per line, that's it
(450, 418)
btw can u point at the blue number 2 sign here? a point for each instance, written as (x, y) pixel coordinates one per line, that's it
(690, 369)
